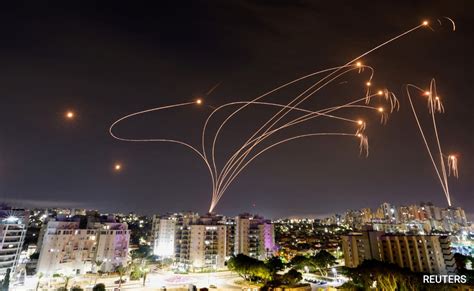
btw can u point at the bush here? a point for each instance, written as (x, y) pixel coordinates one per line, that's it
(99, 287)
(77, 288)
(292, 277)
(135, 275)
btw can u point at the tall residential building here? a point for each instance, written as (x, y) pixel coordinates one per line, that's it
(433, 212)
(390, 213)
(164, 232)
(200, 242)
(13, 225)
(366, 215)
(112, 245)
(453, 218)
(419, 253)
(205, 242)
(73, 247)
(404, 214)
(182, 238)
(358, 247)
(208, 246)
(254, 236)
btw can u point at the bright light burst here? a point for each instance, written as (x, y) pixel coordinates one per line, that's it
(70, 114)
(117, 167)
(224, 174)
(453, 166)
(440, 164)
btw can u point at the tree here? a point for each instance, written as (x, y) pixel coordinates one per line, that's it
(260, 272)
(241, 264)
(67, 278)
(299, 262)
(145, 270)
(6, 280)
(99, 287)
(249, 268)
(76, 288)
(461, 262)
(143, 252)
(122, 271)
(135, 272)
(292, 277)
(40, 275)
(323, 260)
(384, 276)
(274, 264)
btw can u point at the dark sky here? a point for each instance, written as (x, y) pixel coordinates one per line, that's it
(108, 59)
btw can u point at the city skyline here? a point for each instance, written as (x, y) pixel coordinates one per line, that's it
(64, 84)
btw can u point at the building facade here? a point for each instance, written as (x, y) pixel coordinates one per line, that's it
(164, 231)
(13, 225)
(208, 245)
(419, 253)
(358, 247)
(70, 249)
(206, 242)
(254, 237)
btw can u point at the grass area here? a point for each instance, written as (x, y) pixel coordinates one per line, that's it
(245, 283)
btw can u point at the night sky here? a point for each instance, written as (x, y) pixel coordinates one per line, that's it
(104, 60)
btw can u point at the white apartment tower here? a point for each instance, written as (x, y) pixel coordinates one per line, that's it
(254, 237)
(69, 249)
(13, 224)
(208, 246)
(164, 232)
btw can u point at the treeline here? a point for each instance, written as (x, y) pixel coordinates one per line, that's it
(273, 272)
(373, 274)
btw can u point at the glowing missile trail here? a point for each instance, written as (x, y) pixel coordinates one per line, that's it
(452, 22)
(293, 122)
(435, 106)
(264, 134)
(222, 178)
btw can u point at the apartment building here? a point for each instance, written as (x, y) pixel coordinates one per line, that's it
(69, 247)
(13, 225)
(254, 236)
(419, 253)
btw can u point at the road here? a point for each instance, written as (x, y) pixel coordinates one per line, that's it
(159, 279)
(155, 281)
